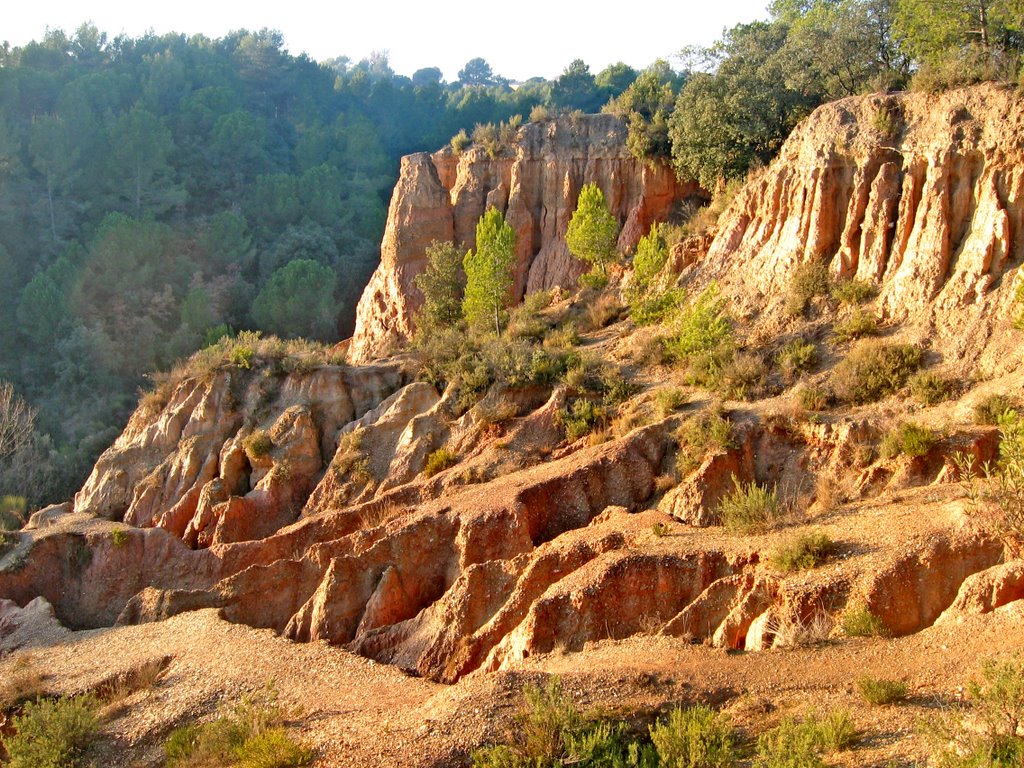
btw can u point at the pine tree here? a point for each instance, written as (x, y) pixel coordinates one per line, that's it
(489, 272)
(593, 232)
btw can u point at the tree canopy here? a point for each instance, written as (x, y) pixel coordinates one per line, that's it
(593, 233)
(488, 271)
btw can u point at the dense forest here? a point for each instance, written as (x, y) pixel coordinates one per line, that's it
(158, 193)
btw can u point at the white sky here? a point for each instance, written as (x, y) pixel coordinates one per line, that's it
(519, 38)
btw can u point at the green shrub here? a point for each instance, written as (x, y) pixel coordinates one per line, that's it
(859, 621)
(873, 370)
(856, 325)
(250, 735)
(707, 432)
(656, 306)
(1004, 512)
(742, 377)
(749, 507)
(564, 338)
(258, 443)
(879, 691)
(930, 388)
(53, 733)
(790, 744)
(807, 550)
(796, 357)
(12, 512)
(989, 410)
(551, 732)
(537, 301)
(853, 291)
(242, 357)
(695, 737)
(438, 461)
(909, 439)
(667, 400)
(579, 418)
(836, 730)
(460, 141)
(701, 327)
(800, 744)
(272, 748)
(986, 733)
(807, 281)
(119, 537)
(813, 398)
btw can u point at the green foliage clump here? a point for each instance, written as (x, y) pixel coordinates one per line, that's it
(814, 398)
(1001, 506)
(987, 732)
(800, 743)
(646, 104)
(702, 327)
(990, 409)
(298, 300)
(580, 418)
(656, 306)
(552, 732)
(488, 271)
(667, 400)
(649, 300)
(880, 691)
(695, 737)
(708, 432)
(119, 537)
(53, 733)
(702, 338)
(853, 291)
(250, 735)
(856, 325)
(908, 439)
(930, 388)
(874, 369)
(725, 122)
(796, 357)
(749, 508)
(258, 443)
(439, 460)
(442, 283)
(460, 141)
(742, 376)
(808, 281)
(241, 356)
(858, 621)
(807, 550)
(12, 512)
(593, 233)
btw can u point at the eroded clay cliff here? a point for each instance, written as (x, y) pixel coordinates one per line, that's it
(922, 195)
(535, 183)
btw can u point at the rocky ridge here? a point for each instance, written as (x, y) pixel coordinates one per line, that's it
(535, 183)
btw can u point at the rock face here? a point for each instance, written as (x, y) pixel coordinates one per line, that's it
(535, 184)
(187, 468)
(922, 195)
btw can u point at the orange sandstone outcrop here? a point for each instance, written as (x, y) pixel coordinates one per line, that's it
(535, 184)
